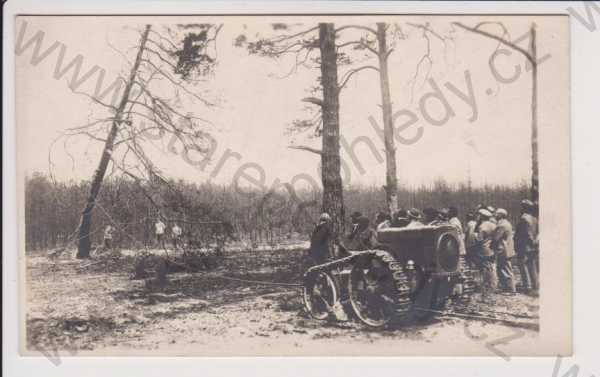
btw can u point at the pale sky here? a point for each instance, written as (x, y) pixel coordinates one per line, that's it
(256, 106)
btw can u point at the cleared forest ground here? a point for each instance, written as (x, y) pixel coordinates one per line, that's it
(79, 307)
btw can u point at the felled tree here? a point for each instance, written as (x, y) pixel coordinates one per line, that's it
(170, 59)
(302, 45)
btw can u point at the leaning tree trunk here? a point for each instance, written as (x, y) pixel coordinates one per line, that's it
(333, 201)
(84, 245)
(534, 130)
(391, 179)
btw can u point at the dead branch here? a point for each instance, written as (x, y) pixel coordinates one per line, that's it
(501, 40)
(313, 100)
(358, 27)
(305, 148)
(351, 72)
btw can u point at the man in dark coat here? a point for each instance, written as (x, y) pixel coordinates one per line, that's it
(319, 240)
(364, 237)
(526, 246)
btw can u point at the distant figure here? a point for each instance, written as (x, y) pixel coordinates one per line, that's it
(505, 250)
(414, 217)
(383, 220)
(486, 256)
(319, 240)
(176, 232)
(526, 246)
(455, 222)
(108, 237)
(159, 231)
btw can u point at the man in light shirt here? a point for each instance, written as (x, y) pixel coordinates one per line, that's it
(176, 232)
(455, 222)
(108, 237)
(486, 257)
(505, 250)
(159, 231)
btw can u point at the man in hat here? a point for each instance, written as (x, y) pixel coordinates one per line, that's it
(492, 210)
(487, 260)
(400, 219)
(444, 215)
(471, 237)
(526, 246)
(430, 216)
(354, 221)
(319, 240)
(504, 249)
(414, 216)
(452, 215)
(365, 237)
(383, 220)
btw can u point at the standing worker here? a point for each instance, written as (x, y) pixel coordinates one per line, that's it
(159, 231)
(487, 262)
(455, 222)
(365, 237)
(176, 232)
(505, 250)
(526, 246)
(471, 238)
(319, 240)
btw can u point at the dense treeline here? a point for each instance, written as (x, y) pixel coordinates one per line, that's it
(53, 209)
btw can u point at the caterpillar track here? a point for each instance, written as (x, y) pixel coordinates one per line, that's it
(469, 275)
(372, 273)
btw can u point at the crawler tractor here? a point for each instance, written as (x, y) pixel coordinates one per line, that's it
(413, 271)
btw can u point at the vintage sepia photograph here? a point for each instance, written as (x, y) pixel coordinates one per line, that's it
(294, 185)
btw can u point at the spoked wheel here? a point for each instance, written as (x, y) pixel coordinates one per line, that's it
(319, 294)
(376, 290)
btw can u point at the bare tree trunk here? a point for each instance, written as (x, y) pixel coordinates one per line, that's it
(534, 129)
(84, 245)
(391, 181)
(333, 201)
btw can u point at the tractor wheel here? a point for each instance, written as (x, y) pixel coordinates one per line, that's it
(378, 290)
(320, 294)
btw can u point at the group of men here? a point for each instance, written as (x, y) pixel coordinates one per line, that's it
(492, 244)
(159, 233)
(487, 240)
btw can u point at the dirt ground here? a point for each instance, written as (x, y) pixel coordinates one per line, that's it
(94, 307)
